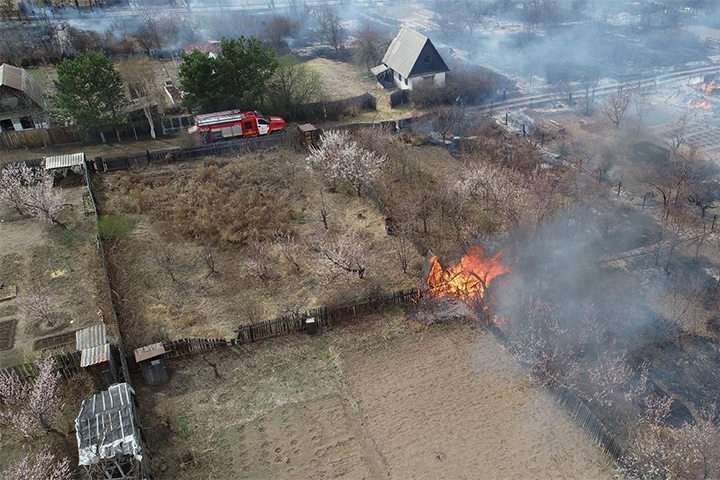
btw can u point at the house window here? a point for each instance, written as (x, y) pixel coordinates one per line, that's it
(426, 59)
(406, 81)
(6, 126)
(27, 123)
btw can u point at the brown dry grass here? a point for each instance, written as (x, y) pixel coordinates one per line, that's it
(280, 193)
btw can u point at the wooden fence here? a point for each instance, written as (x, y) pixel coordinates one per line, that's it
(40, 137)
(324, 316)
(68, 364)
(147, 157)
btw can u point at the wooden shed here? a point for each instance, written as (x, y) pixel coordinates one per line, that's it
(309, 135)
(152, 363)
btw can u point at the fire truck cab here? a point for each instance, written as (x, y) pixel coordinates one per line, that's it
(235, 123)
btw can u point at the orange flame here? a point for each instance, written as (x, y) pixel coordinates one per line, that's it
(710, 87)
(705, 106)
(467, 279)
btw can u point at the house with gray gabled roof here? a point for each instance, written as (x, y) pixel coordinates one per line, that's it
(412, 59)
(22, 106)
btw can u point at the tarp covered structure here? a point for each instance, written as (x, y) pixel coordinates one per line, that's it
(106, 427)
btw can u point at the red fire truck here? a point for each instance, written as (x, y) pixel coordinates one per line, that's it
(235, 123)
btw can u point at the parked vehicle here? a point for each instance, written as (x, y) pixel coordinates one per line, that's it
(235, 123)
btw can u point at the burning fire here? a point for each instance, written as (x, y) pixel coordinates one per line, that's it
(705, 106)
(710, 87)
(467, 279)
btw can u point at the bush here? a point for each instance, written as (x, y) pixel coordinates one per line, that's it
(113, 227)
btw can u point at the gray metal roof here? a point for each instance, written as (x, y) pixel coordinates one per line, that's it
(105, 426)
(405, 49)
(91, 336)
(64, 161)
(379, 69)
(18, 79)
(95, 355)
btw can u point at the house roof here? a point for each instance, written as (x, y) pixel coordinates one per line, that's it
(405, 49)
(64, 161)
(105, 426)
(18, 79)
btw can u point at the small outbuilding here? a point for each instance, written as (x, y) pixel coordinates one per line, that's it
(152, 364)
(62, 165)
(108, 435)
(412, 60)
(96, 354)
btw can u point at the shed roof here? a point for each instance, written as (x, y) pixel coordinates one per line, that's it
(105, 426)
(64, 161)
(149, 351)
(406, 48)
(18, 79)
(95, 355)
(91, 336)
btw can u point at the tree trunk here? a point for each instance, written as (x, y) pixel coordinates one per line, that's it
(148, 115)
(59, 223)
(102, 137)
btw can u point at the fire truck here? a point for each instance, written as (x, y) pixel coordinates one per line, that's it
(235, 123)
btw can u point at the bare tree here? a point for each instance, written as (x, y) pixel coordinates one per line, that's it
(38, 304)
(589, 81)
(400, 243)
(44, 466)
(208, 256)
(168, 259)
(31, 406)
(640, 102)
(339, 157)
(330, 26)
(342, 254)
(289, 248)
(278, 30)
(615, 106)
(678, 129)
(30, 192)
(447, 121)
(141, 82)
(258, 260)
(370, 45)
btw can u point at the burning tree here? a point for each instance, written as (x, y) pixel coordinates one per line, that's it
(29, 191)
(44, 467)
(468, 279)
(33, 406)
(340, 157)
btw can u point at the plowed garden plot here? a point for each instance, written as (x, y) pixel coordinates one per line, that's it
(211, 245)
(380, 398)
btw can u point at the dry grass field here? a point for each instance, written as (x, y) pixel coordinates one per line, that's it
(379, 398)
(231, 209)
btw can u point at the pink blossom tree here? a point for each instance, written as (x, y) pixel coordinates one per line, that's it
(44, 467)
(339, 157)
(31, 406)
(29, 191)
(38, 305)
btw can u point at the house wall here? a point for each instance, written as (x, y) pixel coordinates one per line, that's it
(438, 79)
(18, 110)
